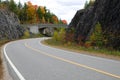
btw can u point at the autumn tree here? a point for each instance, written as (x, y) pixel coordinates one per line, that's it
(55, 19)
(29, 13)
(43, 19)
(64, 21)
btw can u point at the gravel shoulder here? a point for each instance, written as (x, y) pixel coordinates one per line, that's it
(1, 65)
(4, 74)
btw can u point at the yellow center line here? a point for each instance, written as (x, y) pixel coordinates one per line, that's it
(71, 62)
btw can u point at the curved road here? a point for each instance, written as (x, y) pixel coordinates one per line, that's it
(35, 61)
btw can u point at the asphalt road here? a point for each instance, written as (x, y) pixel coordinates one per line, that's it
(35, 61)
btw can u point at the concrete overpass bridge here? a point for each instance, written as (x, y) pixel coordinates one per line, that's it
(46, 29)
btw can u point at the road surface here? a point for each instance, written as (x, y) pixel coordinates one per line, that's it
(32, 60)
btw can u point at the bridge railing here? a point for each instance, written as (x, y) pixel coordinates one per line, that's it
(44, 25)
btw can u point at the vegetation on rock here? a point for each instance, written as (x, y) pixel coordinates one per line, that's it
(105, 12)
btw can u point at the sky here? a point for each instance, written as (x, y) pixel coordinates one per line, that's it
(64, 9)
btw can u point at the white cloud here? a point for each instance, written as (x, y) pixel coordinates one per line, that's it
(63, 9)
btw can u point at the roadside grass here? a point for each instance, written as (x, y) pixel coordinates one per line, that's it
(2, 42)
(90, 51)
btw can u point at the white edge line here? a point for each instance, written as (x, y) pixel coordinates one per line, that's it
(12, 65)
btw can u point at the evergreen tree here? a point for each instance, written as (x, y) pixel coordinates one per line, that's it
(23, 14)
(86, 5)
(39, 12)
(47, 16)
(0, 3)
(13, 6)
(19, 5)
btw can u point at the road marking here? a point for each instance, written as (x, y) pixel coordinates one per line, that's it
(71, 62)
(12, 65)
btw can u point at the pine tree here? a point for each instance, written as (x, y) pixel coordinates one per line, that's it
(86, 5)
(39, 13)
(19, 5)
(24, 13)
(13, 6)
(0, 3)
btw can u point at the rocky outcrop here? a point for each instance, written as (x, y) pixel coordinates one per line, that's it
(9, 25)
(107, 13)
(76, 18)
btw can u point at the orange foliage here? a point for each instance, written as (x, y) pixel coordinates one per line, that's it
(64, 21)
(31, 11)
(35, 6)
(33, 16)
(55, 19)
(42, 9)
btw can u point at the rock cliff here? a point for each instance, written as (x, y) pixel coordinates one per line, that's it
(107, 13)
(9, 25)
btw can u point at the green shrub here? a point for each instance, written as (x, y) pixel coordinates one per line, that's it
(96, 37)
(26, 34)
(55, 36)
(59, 35)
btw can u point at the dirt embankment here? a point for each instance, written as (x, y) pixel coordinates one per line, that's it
(4, 75)
(1, 66)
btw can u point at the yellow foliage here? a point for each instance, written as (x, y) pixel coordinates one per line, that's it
(55, 19)
(31, 11)
(59, 35)
(96, 37)
(42, 9)
(26, 34)
(55, 35)
(43, 20)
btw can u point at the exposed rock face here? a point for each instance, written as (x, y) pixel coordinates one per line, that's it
(76, 18)
(9, 25)
(107, 13)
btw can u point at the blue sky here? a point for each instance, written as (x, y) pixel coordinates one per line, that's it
(64, 9)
